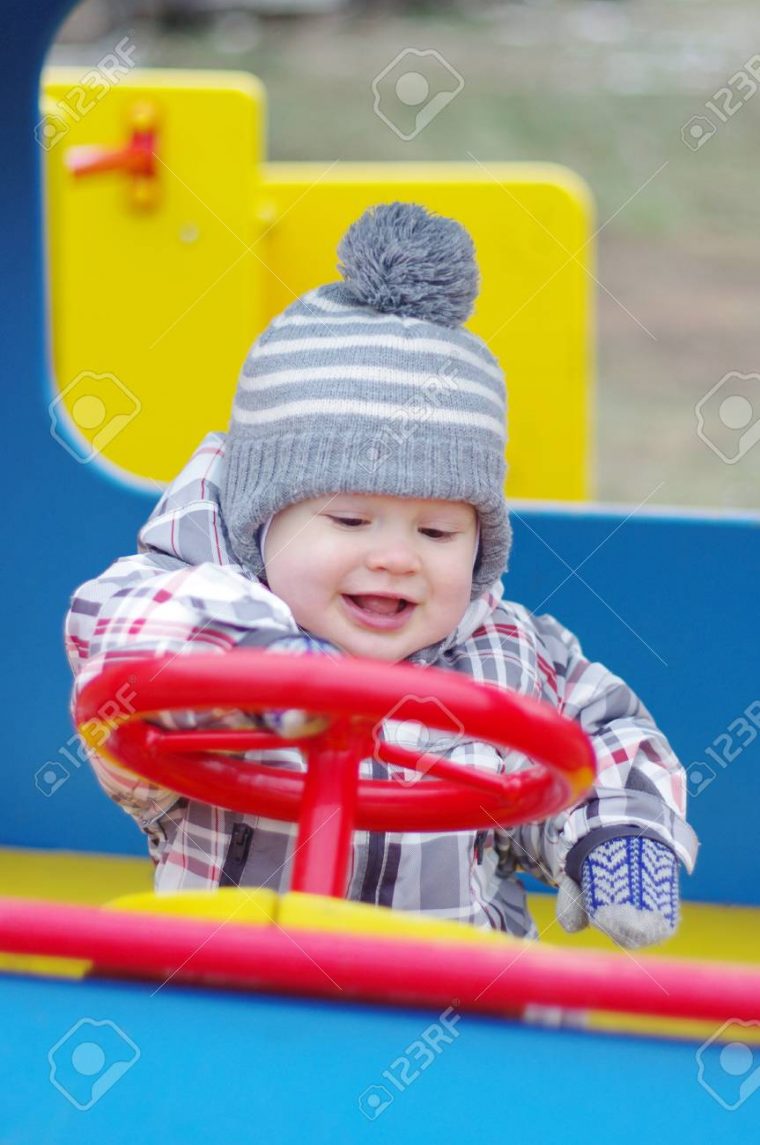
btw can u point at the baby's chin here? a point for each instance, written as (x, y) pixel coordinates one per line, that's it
(389, 647)
(369, 645)
(367, 649)
(382, 654)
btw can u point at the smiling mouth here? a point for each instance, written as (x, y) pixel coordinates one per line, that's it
(379, 613)
(381, 605)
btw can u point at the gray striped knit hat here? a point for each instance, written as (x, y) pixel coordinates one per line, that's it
(371, 385)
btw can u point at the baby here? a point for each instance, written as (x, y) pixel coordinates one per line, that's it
(386, 576)
(356, 508)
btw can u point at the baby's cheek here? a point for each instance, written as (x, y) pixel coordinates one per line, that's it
(294, 591)
(458, 583)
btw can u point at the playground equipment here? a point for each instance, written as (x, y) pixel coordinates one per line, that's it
(213, 236)
(387, 1048)
(309, 943)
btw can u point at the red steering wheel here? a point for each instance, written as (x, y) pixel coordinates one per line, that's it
(329, 800)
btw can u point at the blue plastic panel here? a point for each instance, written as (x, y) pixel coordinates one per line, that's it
(669, 604)
(198, 1066)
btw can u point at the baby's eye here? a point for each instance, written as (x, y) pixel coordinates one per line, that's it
(434, 534)
(348, 520)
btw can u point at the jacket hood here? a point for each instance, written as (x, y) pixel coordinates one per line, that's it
(195, 493)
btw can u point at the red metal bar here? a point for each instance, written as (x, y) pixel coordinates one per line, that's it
(328, 812)
(486, 980)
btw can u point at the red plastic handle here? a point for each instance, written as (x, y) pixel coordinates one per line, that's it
(138, 155)
(136, 158)
(329, 800)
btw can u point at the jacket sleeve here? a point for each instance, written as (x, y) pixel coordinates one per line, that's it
(640, 787)
(155, 603)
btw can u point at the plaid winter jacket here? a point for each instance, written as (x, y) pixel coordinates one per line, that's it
(183, 592)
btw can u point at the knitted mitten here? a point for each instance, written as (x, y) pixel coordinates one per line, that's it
(629, 890)
(294, 722)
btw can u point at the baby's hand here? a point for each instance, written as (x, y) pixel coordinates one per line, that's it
(294, 722)
(629, 890)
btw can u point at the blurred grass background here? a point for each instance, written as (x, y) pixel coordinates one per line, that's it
(603, 86)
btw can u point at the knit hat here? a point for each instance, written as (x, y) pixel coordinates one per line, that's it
(371, 385)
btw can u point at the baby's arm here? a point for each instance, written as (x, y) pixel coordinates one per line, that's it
(636, 810)
(152, 603)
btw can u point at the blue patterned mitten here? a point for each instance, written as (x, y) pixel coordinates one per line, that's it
(294, 722)
(629, 890)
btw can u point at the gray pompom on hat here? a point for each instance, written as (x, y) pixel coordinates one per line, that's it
(371, 385)
(402, 260)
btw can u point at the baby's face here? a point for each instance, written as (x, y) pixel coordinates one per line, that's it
(331, 559)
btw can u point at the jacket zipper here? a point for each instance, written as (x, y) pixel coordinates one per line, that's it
(237, 855)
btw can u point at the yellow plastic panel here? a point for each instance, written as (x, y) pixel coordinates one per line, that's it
(300, 911)
(153, 306)
(532, 227)
(254, 906)
(154, 303)
(66, 876)
(707, 931)
(72, 876)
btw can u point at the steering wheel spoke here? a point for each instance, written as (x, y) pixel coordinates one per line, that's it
(426, 764)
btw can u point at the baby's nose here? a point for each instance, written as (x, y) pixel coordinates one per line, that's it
(394, 554)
